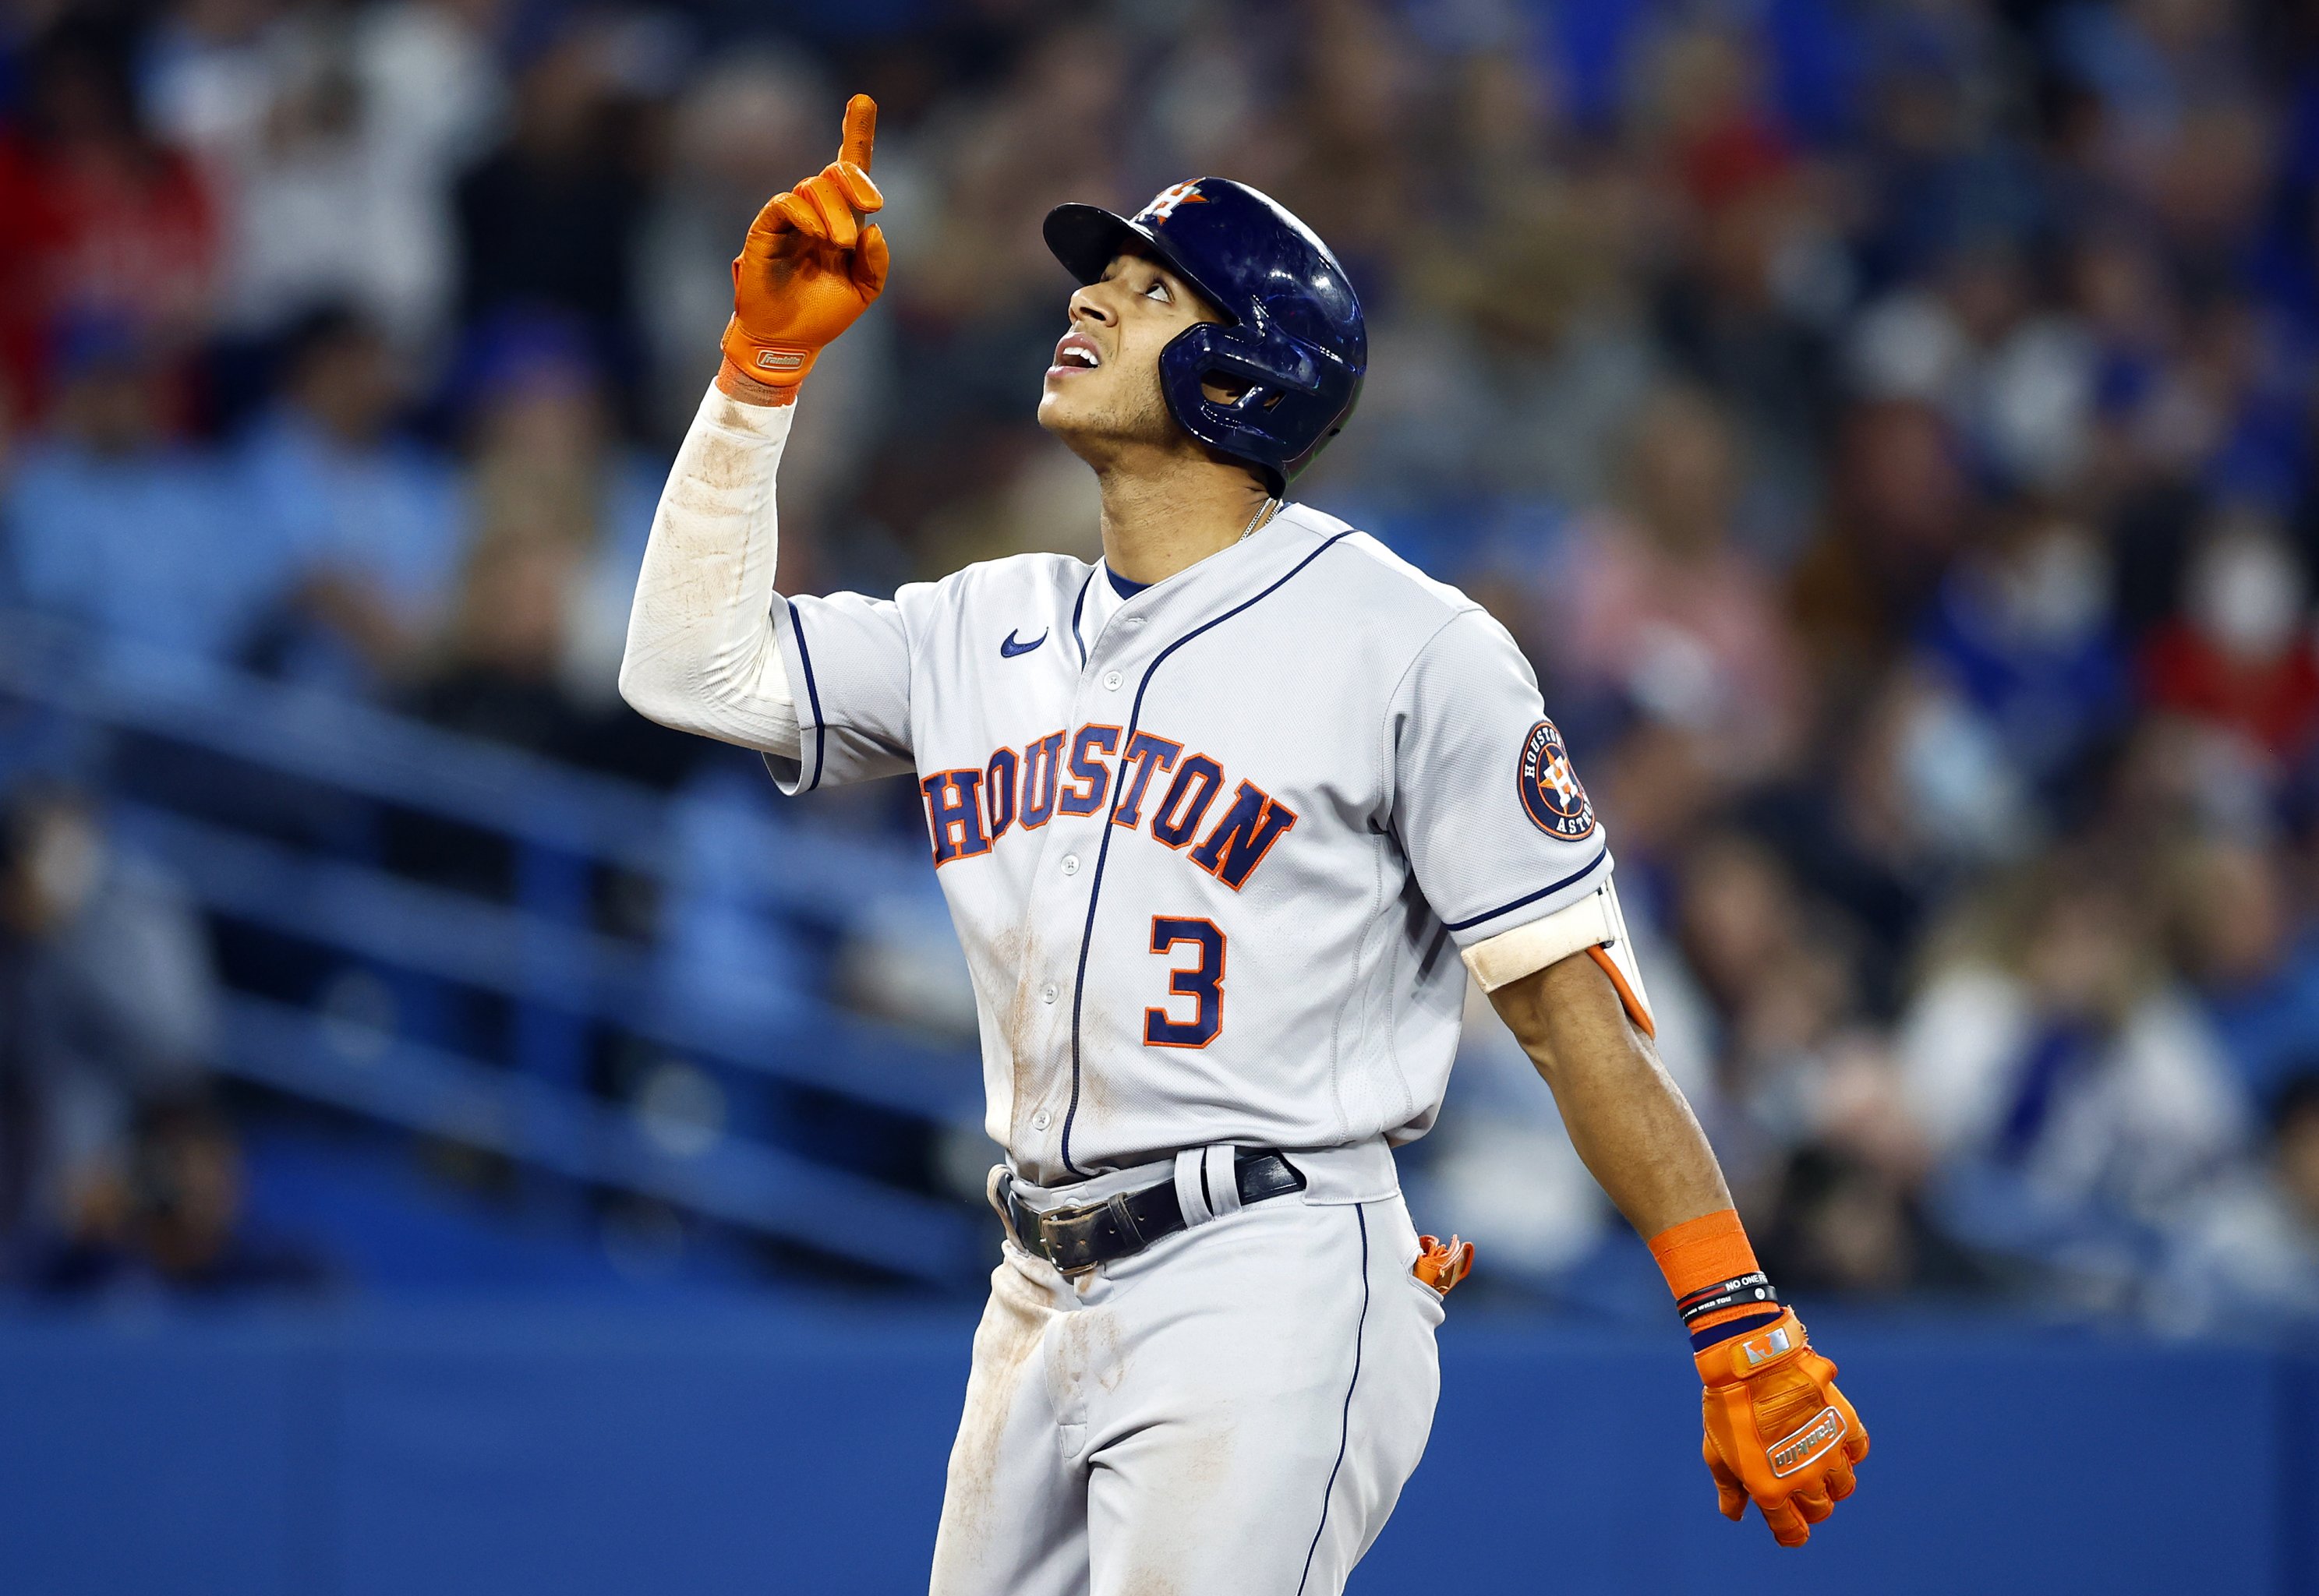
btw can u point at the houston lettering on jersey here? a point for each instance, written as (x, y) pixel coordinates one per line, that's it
(969, 810)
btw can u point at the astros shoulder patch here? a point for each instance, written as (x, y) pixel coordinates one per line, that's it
(1550, 792)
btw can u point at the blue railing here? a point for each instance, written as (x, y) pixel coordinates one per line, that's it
(562, 976)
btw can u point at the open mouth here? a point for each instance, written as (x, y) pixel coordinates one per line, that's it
(1075, 352)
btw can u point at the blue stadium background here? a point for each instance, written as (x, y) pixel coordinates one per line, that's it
(454, 1136)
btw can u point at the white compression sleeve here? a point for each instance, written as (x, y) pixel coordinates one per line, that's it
(701, 655)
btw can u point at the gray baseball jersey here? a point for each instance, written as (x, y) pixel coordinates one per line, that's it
(1211, 848)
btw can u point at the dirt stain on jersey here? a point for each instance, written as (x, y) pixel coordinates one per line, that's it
(1099, 1039)
(1014, 956)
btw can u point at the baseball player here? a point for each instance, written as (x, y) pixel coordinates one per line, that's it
(1225, 821)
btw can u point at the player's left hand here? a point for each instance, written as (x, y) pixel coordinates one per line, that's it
(1779, 1433)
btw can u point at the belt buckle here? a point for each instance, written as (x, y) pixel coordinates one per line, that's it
(1069, 1241)
(1070, 1250)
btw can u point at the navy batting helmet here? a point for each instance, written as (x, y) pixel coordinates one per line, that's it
(1293, 334)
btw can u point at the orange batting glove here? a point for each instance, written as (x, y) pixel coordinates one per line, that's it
(1779, 1433)
(808, 270)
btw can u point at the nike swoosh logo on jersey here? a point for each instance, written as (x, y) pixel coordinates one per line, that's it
(1010, 648)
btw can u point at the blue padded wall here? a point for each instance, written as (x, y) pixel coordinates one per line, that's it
(474, 1449)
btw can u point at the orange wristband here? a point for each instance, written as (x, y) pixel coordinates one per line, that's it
(1703, 1251)
(735, 383)
(1702, 1255)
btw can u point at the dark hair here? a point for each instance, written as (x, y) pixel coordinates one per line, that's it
(323, 326)
(94, 50)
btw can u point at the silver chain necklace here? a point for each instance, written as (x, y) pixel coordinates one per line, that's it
(1263, 511)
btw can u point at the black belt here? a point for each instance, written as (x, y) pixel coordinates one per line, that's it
(1076, 1240)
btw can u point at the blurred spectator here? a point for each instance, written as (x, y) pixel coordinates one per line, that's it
(1513, 358)
(499, 672)
(547, 464)
(2257, 967)
(107, 1002)
(1779, 976)
(1746, 302)
(116, 527)
(368, 520)
(179, 1219)
(99, 221)
(1654, 602)
(2015, 379)
(433, 97)
(1900, 505)
(549, 222)
(332, 138)
(2019, 631)
(2069, 1083)
(2240, 657)
(530, 651)
(1870, 823)
(974, 285)
(1848, 1225)
(272, 103)
(2249, 1254)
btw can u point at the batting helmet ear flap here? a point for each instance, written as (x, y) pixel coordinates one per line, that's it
(1287, 388)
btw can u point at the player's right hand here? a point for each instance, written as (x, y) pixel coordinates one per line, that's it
(810, 267)
(1779, 1433)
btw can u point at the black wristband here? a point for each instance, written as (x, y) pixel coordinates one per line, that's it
(1743, 1290)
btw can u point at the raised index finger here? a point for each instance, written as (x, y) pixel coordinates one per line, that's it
(861, 131)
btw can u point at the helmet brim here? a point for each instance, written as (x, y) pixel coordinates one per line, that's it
(1086, 239)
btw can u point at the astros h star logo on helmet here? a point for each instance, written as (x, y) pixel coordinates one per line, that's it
(1163, 204)
(1550, 792)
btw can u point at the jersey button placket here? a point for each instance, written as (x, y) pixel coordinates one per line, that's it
(1105, 676)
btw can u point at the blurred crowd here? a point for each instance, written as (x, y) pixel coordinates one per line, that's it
(1889, 428)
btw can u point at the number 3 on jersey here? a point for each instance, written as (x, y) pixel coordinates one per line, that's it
(1204, 982)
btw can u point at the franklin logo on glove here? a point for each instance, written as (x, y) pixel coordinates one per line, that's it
(1806, 1444)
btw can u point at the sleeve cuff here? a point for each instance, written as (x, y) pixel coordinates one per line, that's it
(803, 773)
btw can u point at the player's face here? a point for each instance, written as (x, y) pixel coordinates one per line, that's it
(1103, 386)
